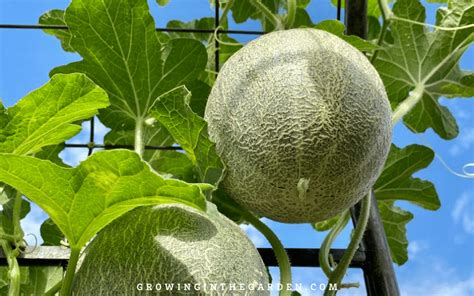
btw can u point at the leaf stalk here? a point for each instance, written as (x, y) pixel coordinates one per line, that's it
(339, 272)
(13, 269)
(290, 18)
(280, 252)
(139, 145)
(409, 103)
(268, 14)
(328, 241)
(70, 271)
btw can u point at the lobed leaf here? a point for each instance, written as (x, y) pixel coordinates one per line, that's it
(396, 181)
(123, 54)
(394, 221)
(50, 115)
(83, 200)
(428, 60)
(56, 17)
(189, 130)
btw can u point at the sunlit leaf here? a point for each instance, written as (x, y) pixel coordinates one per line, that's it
(83, 200)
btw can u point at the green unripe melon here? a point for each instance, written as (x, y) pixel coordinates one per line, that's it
(170, 244)
(302, 122)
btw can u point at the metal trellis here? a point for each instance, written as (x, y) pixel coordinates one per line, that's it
(373, 256)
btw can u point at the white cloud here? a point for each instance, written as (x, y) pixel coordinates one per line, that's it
(435, 287)
(415, 247)
(463, 212)
(463, 143)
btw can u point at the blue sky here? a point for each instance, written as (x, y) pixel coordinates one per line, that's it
(441, 243)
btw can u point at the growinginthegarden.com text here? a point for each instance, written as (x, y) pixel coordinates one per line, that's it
(226, 287)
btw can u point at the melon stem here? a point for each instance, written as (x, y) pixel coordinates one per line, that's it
(280, 253)
(71, 269)
(278, 248)
(408, 104)
(54, 289)
(338, 273)
(290, 17)
(13, 269)
(268, 14)
(328, 241)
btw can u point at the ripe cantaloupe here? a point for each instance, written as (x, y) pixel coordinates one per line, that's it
(301, 120)
(172, 244)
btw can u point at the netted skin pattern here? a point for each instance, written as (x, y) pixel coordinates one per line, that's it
(302, 122)
(171, 244)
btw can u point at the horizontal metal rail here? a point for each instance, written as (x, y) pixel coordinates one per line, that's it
(107, 146)
(58, 256)
(181, 30)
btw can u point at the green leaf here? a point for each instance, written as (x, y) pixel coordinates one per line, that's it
(50, 114)
(337, 28)
(124, 56)
(302, 19)
(396, 181)
(162, 2)
(56, 17)
(176, 164)
(373, 28)
(83, 200)
(206, 23)
(190, 132)
(428, 60)
(394, 221)
(200, 92)
(52, 153)
(227, 205)
(242, 10)
(51, 233)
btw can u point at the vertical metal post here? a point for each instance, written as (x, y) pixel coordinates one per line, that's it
(379, 274)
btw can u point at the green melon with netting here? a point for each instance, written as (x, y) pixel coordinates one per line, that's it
(170, 244)
(301, 120)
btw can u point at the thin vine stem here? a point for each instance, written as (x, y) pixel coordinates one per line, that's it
(70, 271)
(13, 269)
(216, 37)
(226, 10)
(268, 14)
(54, 289)
(290, 18)
(17, 232)
(328, 241)
(386, 15)
(340, 271)
(401, 19)
(280, 253)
